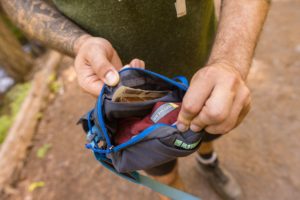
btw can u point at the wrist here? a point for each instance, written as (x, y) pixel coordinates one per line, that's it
(242, 70)
(79, 41)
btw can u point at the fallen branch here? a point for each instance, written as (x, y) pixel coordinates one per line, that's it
(14, 149)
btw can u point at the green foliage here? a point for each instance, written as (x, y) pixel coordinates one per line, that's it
(5, 122)
(54, 87)
(36, 185)
(42, 151)
(54, 84)
(13, 100)
(52, 77)
(16, 96)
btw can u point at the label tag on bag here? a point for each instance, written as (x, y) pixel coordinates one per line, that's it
(180, 6)
(162, 111)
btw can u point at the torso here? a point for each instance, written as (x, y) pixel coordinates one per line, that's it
(149, 30)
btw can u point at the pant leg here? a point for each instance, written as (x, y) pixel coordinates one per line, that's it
(163, 169)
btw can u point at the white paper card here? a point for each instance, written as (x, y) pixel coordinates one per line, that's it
(180, 6)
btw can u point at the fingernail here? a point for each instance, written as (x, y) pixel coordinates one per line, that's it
(181, 127)
(111, 78)
(195, 128)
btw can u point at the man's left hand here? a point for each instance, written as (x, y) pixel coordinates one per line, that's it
(217, 100)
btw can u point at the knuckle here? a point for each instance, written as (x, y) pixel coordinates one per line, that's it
(105, 43)
(216, 115)
(209, 72)
(232, 79)
(204, 73)
(97, 46)
(189, 108)
(92, 49)
(106, 46)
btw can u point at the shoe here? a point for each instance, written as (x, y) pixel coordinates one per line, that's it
(220, 179)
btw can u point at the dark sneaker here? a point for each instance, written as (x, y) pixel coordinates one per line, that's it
(220, 180)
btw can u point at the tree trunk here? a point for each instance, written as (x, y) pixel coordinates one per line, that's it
(13, 59)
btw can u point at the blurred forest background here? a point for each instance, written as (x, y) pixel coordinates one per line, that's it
(17, 55)
(42, 154)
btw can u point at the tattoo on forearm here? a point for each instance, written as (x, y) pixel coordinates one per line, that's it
(44, 23)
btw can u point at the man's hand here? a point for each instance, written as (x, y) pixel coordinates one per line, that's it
(217, 100)
(97, 62)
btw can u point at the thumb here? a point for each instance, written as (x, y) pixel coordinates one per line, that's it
(112, 77)
(105, 71)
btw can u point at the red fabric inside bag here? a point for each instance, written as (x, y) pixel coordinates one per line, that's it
(162, 112)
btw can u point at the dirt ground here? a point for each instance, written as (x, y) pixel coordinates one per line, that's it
(263, 153)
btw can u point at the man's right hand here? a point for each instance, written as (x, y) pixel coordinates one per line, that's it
(97, 62)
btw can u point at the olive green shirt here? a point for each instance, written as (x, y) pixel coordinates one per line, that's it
(149, 30)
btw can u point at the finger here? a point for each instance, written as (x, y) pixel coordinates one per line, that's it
(217, 108)
(116, 61)
(240, 108)
(137, 63)
(143, 65)
(193, 101)
(104, 70)
(197, 124)
(243, 113)
(87, 79)
(126, 66)
(92, 85)
(85, 76)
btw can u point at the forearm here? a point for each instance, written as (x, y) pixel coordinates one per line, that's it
(43, 23)
(238, 31)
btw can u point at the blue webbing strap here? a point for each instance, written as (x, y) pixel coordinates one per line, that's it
(154, 185)
(166, 190)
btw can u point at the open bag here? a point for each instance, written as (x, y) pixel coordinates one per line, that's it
(139, 135)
